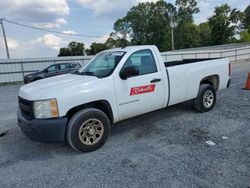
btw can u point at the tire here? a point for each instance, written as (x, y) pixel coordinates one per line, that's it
(88, 130)
(206, 98)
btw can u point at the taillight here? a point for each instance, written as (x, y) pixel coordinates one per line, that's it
(229, 69)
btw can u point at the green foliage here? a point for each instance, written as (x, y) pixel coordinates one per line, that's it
(205, 34)
(76, 48)
(236, 16)
(150, 23)
(220, 25)
(146, 23)
(186, 31)
(186, 10)
(114, 43)
(223, 24)
(244, 36)
(96, 48)
(189, 5)
(187, 35)
(64, 52)
(247, 17)
(73, 49)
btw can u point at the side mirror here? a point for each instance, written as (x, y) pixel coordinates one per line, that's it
(46, 71)
(129, 72)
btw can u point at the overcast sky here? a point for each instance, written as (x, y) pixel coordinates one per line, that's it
(89, 17)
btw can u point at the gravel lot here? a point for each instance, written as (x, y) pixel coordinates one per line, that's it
(166, 148)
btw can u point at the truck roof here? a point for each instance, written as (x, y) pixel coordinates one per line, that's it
(128, 48)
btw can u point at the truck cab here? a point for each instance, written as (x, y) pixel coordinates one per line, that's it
(116, 84)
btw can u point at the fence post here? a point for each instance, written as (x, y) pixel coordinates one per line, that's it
(209, 55)
(22, 69)
(236, 58)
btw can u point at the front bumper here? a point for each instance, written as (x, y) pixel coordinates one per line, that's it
(44, 130)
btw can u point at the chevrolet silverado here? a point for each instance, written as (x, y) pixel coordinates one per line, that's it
(115, 85)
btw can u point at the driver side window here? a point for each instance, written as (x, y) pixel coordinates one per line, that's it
(142, 60)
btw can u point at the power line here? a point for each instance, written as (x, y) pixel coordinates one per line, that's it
(51, 31)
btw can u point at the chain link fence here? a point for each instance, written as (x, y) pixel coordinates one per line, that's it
(14, 70)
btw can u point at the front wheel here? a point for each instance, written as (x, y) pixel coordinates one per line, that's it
(206, 98)
(88, 130)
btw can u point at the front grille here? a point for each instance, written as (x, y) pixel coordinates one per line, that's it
(26, 108)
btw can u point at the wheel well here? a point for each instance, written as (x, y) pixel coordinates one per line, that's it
(212, 80)
(100, 105)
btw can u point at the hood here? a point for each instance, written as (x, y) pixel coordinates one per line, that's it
(55, 86)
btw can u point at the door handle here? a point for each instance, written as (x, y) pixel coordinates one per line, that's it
(155, 80)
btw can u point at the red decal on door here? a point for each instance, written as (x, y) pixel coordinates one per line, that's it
(142, 89)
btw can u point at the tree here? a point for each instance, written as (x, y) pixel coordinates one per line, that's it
(76, 48)
(187, 35)
(186, 10)
(151, 23)
(245, 36)
(223, 24)
(64, 52)
(114, 43)
(96, 48)
(246, 20)
(186, 31)
(245, 33)
(73, 49)
(146, 24)
(205, 34)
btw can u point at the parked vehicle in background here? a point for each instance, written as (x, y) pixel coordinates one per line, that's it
(117, 84)
(52, 70)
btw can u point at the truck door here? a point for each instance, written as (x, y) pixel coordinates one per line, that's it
(143, 92)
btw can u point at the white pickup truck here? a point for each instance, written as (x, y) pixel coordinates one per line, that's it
(116, 84)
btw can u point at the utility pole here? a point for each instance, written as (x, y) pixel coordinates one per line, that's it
(5, 39)
(170, 15)
(172, 25)
(172, 33)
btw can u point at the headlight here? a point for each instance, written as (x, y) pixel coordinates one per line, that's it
(45, 109)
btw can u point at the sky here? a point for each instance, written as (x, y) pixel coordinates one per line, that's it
(87, 17)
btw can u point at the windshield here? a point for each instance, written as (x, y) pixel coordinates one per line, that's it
(103, 64)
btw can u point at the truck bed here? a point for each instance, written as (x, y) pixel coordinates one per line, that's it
(185, 76)
(186, 61)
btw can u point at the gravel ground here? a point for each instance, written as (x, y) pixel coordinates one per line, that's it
(166, 148)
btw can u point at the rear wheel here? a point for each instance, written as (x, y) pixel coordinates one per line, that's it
(206, 98)
(88, 130)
